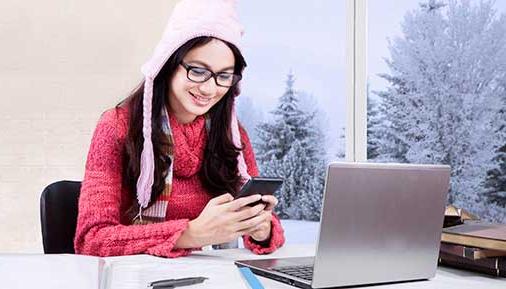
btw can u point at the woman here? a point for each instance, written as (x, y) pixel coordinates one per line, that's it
(164, 165)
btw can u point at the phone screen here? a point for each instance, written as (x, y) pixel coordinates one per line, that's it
(260, 185)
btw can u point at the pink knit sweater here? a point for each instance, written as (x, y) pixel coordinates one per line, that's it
(102, 228)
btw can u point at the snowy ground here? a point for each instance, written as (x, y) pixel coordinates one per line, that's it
(300, 232)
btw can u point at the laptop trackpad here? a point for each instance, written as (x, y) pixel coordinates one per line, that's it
(297, 261)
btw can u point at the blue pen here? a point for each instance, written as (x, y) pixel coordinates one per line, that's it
(252, 280)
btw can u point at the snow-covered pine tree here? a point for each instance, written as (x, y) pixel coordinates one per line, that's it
(297, 178)
(340, 154)
(291, 146)
(496, 181)
(443, 97)
(276, 138)
(312, 202)
(374, 134)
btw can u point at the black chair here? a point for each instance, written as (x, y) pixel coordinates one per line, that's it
(58, 216)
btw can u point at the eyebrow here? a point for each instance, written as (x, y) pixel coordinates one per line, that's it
(208, 67)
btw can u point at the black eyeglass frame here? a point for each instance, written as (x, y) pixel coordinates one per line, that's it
(235, 77)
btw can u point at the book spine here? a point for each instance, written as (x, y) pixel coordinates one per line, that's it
(469, 252)
(452, 249)
(490, 266)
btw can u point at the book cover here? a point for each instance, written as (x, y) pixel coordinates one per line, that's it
(477, 234)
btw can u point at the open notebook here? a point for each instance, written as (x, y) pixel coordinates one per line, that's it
(21, 271)
(133, 272)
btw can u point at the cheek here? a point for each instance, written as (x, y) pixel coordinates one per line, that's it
(220, 94)
(181, 87)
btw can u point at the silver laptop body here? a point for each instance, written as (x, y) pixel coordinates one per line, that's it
(380, 223)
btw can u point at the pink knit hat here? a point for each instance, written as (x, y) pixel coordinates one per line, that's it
(189, 19)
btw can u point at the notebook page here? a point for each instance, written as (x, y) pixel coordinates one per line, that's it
(136, 274)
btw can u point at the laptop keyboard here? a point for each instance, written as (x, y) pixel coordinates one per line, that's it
(301, 271)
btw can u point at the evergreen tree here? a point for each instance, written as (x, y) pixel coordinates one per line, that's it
(277, 138)
(496, 181)
(374, 135)
(341, 145)
(444, 94)
(291, 146)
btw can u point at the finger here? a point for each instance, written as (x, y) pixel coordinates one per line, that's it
(255, 232)
(268, 215)
(249, 224)
(248, 212)
(252, 222)
(241, 202)
(271, 201)
(259, 227)
(222, 199)
(262, 232)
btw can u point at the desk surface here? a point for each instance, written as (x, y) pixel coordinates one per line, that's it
(73, 271)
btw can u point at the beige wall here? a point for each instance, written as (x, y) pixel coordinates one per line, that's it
(62, 63)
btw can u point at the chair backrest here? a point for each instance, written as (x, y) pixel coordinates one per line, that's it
(58, 216)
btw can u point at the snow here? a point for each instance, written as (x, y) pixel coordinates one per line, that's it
(446, 98)
(300, 232)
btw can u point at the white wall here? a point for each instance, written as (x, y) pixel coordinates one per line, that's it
(62, 63)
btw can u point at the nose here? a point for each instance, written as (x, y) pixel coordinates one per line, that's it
(208, 88)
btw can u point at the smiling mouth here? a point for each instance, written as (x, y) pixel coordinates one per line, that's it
(200, 98)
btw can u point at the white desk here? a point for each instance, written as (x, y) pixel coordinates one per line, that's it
(71, 271)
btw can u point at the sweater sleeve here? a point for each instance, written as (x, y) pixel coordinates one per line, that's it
(277, 238)
(99, 231)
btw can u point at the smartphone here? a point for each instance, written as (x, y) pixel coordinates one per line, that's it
(259, 185)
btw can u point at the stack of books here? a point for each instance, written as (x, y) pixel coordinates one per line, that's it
(470, 244)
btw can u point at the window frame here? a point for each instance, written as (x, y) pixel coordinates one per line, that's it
(356, 74)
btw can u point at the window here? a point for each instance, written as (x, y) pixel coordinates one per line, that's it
(293, 99)
(436, 93)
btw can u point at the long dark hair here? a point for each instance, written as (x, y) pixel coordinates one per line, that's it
(219, 173)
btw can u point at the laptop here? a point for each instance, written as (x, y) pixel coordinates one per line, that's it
(380, 223)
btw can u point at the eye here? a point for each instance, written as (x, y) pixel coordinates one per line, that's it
(198, 71)
(225, 76)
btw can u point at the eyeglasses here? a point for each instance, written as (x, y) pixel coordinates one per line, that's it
(200, 74)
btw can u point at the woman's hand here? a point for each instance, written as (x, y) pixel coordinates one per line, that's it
(271, 202)
(223, 220)
(262, 231)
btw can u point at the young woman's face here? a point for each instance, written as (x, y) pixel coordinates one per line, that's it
(189, 99)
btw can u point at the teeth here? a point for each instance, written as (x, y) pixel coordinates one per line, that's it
(201, 98)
